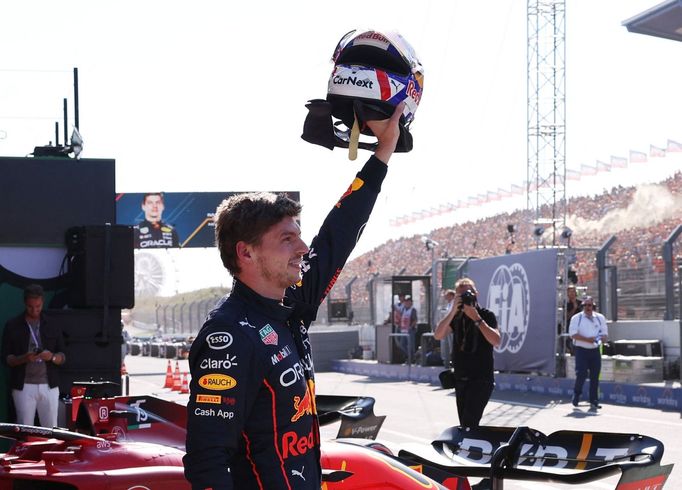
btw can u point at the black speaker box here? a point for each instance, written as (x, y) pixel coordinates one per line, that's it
(92, 345)
(101, 266)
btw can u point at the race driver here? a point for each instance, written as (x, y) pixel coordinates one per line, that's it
(252, 421)
(152, 232)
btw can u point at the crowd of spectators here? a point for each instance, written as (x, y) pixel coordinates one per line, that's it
(640, 234)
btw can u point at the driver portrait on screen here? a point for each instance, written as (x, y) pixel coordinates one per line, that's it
(152, 232)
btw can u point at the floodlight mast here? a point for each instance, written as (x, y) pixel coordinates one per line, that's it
(546, 89)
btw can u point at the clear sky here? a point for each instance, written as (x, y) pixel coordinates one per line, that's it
(210, 95)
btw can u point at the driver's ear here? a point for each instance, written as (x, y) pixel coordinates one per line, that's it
(244, 252)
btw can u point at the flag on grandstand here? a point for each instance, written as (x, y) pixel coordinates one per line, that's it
(517, 189)
(603, 166)
(492, 196)
(572, 174)
(503, 193)
(588, 169)
(619, 162)
(637, 157)
(655, 151)
(674, 146)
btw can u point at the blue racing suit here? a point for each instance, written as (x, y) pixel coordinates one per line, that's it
(252, 421)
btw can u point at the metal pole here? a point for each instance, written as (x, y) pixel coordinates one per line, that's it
(349, 292)
(182, 313)
(75, 98)
(189, 315)
(669, 280)
(679, 289)
(66, 124)
(601, 270)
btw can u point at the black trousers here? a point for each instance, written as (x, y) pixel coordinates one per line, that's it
(587, 360)
(472, 397)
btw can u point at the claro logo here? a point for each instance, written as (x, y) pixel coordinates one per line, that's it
(217, 382)
(219, 340)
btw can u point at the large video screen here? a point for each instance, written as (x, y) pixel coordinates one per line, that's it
(40, 198)
(173, 219)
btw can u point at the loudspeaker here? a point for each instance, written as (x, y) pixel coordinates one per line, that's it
(101, 266)
(92, 345)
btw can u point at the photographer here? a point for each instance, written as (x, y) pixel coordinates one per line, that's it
(475, 335)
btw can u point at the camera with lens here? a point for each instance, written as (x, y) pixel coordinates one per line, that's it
(468, 298)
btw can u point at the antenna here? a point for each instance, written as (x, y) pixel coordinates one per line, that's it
(75, 145)
(75, 99)
(66, 124)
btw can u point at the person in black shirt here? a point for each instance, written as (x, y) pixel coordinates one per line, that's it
(475, 334)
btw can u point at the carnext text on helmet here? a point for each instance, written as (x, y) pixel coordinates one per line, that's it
(339, 80)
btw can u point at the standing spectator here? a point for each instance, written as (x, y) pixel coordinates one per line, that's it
(573, 304)
(33, 350)
(446, 343)
(408, 325)
(475, 335)
(588, 330)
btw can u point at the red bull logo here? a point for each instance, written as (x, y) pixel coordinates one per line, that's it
(354, 186)
(306, 405)
(295, 445)
(302, 406)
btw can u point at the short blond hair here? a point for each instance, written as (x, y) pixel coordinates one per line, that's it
(466, 281)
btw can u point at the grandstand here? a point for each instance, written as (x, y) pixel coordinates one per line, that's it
(640, 217)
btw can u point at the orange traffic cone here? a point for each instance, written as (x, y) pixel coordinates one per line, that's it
(184, 389)
(169, 376)
(177, 381)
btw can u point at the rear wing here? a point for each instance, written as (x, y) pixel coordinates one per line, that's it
(355, 412)
(523, 453)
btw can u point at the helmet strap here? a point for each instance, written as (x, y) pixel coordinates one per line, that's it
(354, 138)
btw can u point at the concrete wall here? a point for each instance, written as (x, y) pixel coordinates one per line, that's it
(329, 343)
(668, 332)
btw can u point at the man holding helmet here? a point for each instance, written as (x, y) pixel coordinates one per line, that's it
(475, 334)
(252, 421)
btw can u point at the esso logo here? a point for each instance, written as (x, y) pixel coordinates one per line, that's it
(219, 340)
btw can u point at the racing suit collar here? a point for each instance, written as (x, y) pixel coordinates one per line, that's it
(269, 307)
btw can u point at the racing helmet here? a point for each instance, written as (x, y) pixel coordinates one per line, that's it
(373, 72)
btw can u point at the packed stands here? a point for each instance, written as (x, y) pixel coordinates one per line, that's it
(640, 217)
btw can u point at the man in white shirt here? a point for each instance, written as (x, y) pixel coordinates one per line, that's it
(588, 330)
